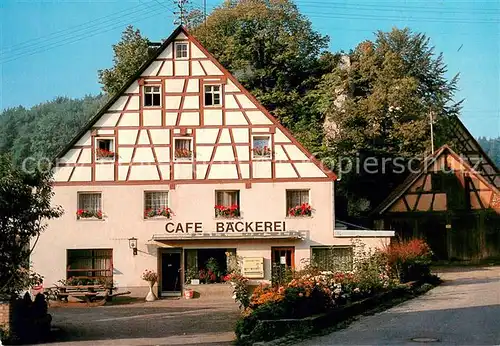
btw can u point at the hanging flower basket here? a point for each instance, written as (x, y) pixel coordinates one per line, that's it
(223, 211)
(301, 210)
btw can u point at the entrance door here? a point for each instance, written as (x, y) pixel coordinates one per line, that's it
(170, 269)
(283, 256)
(283, 260)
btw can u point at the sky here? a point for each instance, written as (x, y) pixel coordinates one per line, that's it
(55, 48)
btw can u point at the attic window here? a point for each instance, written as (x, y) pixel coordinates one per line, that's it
(261, 147)
(212, 95)
(152, 96)
(181, 50)
(105, 149)
(183, 149)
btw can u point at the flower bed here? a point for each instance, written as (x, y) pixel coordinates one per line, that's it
(312, 292)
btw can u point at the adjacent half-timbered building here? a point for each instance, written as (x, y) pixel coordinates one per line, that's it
(451, 201)
(180, 168)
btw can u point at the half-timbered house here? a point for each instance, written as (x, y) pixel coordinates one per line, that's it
(453, 201)
(181, 167)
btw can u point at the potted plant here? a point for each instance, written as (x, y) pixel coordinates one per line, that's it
(151, 277)
(192, 276)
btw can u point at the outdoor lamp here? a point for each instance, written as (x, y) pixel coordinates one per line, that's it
(132, 243)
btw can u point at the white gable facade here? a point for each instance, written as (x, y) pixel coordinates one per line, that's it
(180, 139)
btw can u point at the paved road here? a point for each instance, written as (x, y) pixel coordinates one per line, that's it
(465, 310)
(164, 322)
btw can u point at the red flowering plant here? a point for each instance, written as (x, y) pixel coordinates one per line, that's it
(207, 276)
(264, 151)
(409, 260)
(301, 210)
(183, 153)
(88, 214)
(152, 212)
(104, 154)
(227, 211)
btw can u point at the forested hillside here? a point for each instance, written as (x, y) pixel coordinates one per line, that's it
(492, 147)
(44, 129)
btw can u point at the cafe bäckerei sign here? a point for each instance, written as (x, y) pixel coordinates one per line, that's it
(227, 227)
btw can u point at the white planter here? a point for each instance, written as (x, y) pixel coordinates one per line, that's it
(195, 281)
(151, 296)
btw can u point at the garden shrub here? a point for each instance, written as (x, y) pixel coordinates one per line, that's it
(409, 260)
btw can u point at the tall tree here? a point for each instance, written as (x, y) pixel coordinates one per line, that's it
(24, 208)
(274, 52)
(129, 54)
(377, 105)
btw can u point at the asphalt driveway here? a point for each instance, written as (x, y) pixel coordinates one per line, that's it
(464, 310)
(164, 322)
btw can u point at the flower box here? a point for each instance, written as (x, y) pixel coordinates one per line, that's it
(88, 214)
(183, 154)
(104, 154)
(222, 211)
(261, 151)
(300, 210)
(162, 212)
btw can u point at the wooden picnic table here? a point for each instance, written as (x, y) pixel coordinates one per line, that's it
(87, 293)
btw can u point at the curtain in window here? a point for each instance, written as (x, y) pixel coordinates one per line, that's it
(156, 200)
(227, 198)
(89, 201)
(296, 197)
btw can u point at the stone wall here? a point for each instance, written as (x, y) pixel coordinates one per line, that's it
(5, 315)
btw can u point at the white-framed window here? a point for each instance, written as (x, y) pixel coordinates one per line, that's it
(213, 95)
(183, 148)
(105, 149)
(261, 147)
(227, 203)
(334, 258)
(89, 205)
(152, 96)
(297, 203)
(181, 50)
(156, 204)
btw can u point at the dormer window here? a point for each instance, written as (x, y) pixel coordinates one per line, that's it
(105, 149)
(181, 50)
(212, 95)
(152, 96)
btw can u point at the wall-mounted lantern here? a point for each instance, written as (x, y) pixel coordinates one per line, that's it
(132, 243)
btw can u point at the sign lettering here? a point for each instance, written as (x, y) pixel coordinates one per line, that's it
(227, 227)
